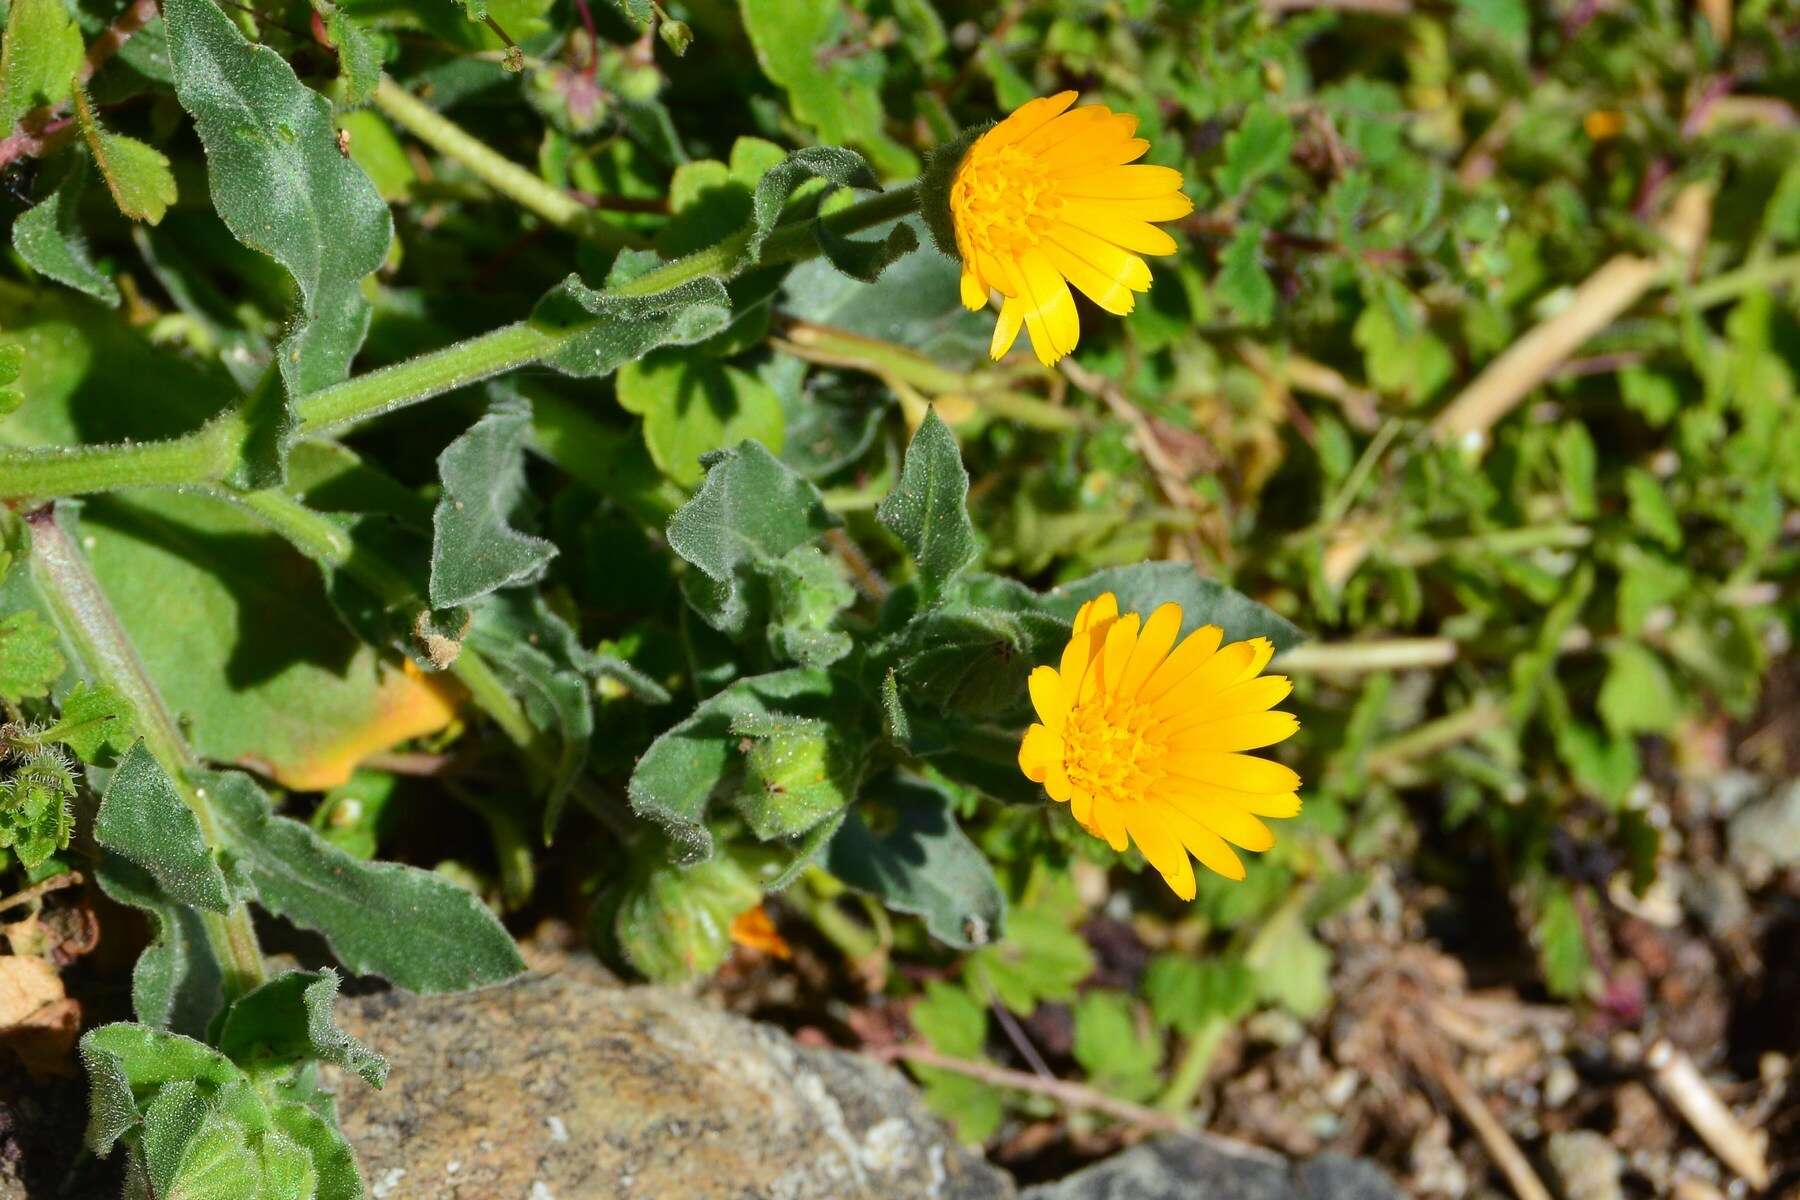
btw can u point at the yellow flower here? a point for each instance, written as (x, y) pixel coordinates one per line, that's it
(1144, 739)
(1045, 199)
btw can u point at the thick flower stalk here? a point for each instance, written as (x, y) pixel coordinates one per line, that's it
(1048, 198)
(1145, 740)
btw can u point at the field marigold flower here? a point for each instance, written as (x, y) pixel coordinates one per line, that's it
(1145, 740)
(1045, 199)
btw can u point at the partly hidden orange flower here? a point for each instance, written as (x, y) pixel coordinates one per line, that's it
(1145, 739)
(1046, 199)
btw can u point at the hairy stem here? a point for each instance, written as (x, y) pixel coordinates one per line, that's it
(206, 455)
(87, 620)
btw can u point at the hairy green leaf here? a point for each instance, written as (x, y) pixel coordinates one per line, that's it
(30, 660)
(928, 509)
(93, 721)
(474, 547)
(535, 654)
(49, 240)
(1256, 148)
(323, 221)
(751, 511)
(693, 407)
(452, 941)
(676, 777)
(674, 923)
(288, 1020)
(919, 862)
(177, 984)
(138, 176)
(41, 53)
(143, 818)
(833, 93)
(1145, 586)
(608, 331)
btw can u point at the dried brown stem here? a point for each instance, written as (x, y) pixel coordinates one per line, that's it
(55, 883)
(1682, 1085)
(1072, 1096)
(1499, 1144)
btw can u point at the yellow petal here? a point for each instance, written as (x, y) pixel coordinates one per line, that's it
(1096, 217)
(1027, 119)
(1109, 148)
(1137, 182)
(1211, 677)
(1056, 781)
(1264, 651)
(1006, 329)
(1046, 689)
(1268, 805)
(1101, 608)
(1152, 647)
(974, 296)
(1115, 655)
(1196, 648)
(1109, 293)
(1094, 214)
(1162, 849)
(1246, 731)
(1079, 128)
(1238, 772)
(1109, 822)
(1228, 821)
(1038, 751)
(1050, 315)
(1102, 255)
(1205, 845)
(1081, 807)
(1074, 665)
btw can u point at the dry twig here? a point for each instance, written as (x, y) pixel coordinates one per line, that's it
(1608, 292)
(55, 883)
(1681, 1083)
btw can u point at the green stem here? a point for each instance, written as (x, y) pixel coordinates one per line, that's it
(87, 620)
(419, 379)
(1765, 275)
(1190, 1072)
(197, 457)
(523, 187)
(206, 455)
(428, 375)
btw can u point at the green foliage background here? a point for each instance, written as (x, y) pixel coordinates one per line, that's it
(738, 564)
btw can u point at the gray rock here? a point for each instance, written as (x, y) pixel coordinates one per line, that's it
(1184, 1168)
(1764, 836)
(1587, 1165)
(560, 1087)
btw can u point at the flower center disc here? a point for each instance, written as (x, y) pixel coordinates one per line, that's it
(1111, 753)
(1003, 201)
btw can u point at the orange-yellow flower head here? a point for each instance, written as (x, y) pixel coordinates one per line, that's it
(1045, 199)
(1145, 739)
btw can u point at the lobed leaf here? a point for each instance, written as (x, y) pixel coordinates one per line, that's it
(928, 509)
(288, 1020)
(921, 862)
(750, 513)
(144, 820)
(452, 941)
(41, 53)
(282, 186)
(1143, 586)
(51, 243)
(474, 547)
(177, 983)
